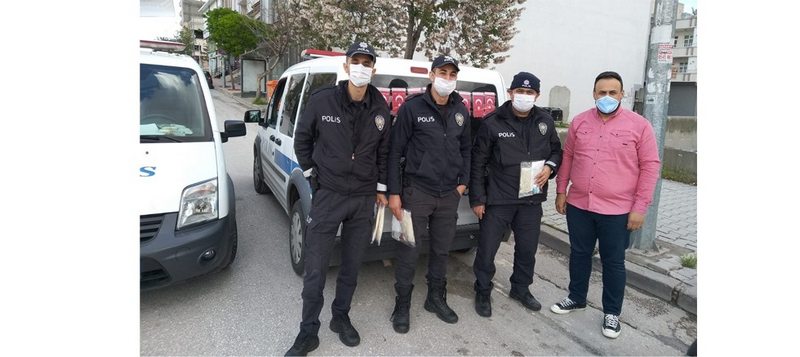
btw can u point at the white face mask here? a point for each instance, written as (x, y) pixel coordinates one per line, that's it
(523, 102)
(360, 75)
(444, 86)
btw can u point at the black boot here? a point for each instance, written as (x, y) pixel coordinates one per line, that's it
(347, 333)
(303, 344)
(525, 298)
(483, 304)
(400, 316)
(436, 302)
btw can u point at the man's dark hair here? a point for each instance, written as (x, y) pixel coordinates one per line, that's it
(606, 75)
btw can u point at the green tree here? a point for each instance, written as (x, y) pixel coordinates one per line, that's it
(231, 31)
(184, 36)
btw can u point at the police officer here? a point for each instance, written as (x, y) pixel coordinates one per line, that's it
(516, 132)
(342, 142)
(432, 132)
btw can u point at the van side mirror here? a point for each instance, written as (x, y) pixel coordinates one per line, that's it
(252, 116)
(233, 128)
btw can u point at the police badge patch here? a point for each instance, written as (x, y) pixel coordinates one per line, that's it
(459, 119)
(379, 121)
(542, 128)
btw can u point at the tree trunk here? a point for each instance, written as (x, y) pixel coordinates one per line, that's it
(233, 83)
(258, 80)
(413, 31)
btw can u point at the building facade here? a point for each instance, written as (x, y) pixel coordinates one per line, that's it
(683, 87)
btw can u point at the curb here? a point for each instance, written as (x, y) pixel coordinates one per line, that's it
(659, 285)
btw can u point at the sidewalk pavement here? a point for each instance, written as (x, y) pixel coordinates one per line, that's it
(658, 273)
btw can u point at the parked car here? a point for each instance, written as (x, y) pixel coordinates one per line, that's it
(275, 167)
(187, 222)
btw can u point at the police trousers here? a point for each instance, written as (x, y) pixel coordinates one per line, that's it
(328, 210)
(434, 218)
(525, 221)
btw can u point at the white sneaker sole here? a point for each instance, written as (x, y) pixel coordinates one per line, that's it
(611, 333)
(557, 310)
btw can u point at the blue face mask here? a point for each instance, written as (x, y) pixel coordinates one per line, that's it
(607, 104)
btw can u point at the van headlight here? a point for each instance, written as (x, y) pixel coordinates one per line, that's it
(198, 204)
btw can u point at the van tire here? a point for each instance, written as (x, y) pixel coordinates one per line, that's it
(258, 175)
(297, 230)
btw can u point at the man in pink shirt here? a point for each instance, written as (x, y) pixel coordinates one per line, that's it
(611, 159)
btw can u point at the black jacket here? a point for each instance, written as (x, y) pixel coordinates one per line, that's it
(347, 146)
(436, 147)
(502, 143)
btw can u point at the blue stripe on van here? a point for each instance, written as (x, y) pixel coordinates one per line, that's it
(285, 163)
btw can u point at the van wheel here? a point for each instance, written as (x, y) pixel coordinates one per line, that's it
(297, 229)
(258, 175)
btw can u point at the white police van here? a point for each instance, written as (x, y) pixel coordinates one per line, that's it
(275, 167)
(186, 199)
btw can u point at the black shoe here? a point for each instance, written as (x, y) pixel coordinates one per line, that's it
(566, 306)
(436, 302)
(483, 305)
(400, 316)
(526, 299)
(303, 344)
(611, 326)
(347, 333)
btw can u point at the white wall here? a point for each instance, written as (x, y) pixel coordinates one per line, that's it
(568, 43)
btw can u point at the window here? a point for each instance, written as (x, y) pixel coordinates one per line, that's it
(675, 41)
(293, 93)
(688, 41)
(171, 104)
(275, 103)
(682, 67)
(315, 81)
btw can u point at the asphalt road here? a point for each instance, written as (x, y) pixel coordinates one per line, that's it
(253, 308)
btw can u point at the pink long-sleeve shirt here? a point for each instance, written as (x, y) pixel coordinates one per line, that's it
(613, 165)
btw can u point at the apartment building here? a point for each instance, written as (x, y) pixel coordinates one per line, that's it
(683, 87)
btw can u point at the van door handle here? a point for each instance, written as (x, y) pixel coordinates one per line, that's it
(272, 138)
(278, 141)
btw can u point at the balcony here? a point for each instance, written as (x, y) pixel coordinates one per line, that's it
(684, 77)
(678, 52)
(686, 24)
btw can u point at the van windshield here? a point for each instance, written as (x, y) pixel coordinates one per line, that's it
(171, 105)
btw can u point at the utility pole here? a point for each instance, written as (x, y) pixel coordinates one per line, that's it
(656, 102)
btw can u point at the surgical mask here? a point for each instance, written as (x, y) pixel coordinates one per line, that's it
(360, 75)
(523, 102)
(607, 104)
(444, 86)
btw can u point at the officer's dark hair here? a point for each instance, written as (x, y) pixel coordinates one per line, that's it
(607, 75)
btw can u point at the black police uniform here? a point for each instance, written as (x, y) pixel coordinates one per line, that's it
(436, 143)
(504, 141)
(347, 145)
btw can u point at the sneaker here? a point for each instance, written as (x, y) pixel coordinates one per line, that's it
(611, 326)
(566, 306)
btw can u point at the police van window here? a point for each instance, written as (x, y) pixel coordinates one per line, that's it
(293, 92)
(315, 81)
(171, 103)
(275, 103)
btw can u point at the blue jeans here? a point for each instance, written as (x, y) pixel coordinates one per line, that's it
(585, 229)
